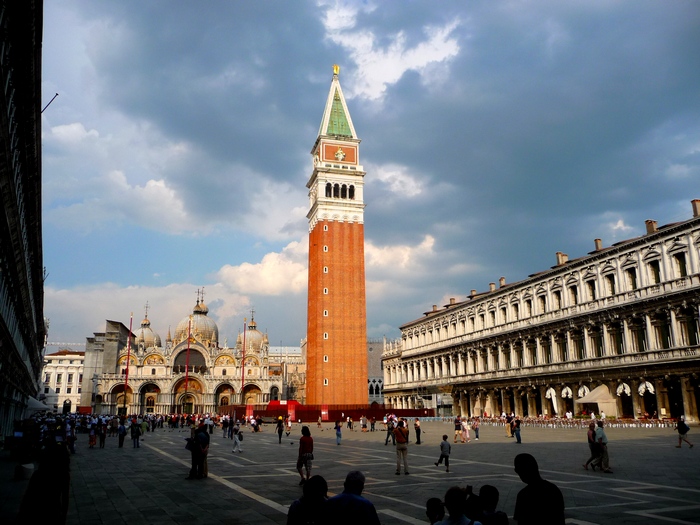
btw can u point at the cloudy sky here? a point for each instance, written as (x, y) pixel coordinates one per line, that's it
(494, 134)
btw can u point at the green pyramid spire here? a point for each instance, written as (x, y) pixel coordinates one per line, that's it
(338, 121)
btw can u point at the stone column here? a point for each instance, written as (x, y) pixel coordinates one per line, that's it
(637, 400)
(532, 402)
(518, 402)
(460, 364)
(662, 399)
(584, 341)
(538, 352)
(673, 329)
(604, 339)
(690, 408)
(626, 347)
(648, 336)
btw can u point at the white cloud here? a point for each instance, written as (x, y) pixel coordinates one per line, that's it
(112, 199)
(680, 171)
(398, 179)
(276, 274)
(380, 66)
(73, 133)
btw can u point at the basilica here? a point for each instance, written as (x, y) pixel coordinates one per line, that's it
(190, 373)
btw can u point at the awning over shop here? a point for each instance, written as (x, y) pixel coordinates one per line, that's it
(34, 405)
(601, 396)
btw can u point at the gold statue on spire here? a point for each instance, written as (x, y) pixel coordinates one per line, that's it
(336, 69)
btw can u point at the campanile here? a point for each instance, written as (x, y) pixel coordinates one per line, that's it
(336, 351)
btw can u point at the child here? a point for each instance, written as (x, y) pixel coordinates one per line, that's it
(445, 449)
(338, 432)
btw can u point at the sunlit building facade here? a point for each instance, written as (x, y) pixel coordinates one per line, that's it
(624, 317)
(189, 372)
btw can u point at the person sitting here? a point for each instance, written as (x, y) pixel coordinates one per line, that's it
(349, 507)
(541, 501)
(434, 510)
(488, 494)
(309, 508)
(456, 505)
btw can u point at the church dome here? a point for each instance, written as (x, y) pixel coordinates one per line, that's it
(202, 328)
(146, 336)
(254, 339)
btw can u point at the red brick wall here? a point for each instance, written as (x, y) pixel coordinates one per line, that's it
(346, 323)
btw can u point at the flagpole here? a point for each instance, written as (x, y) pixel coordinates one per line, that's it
(128, 359)
(187, 361)
(243, 364)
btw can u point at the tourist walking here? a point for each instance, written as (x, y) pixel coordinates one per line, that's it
(445, 449)
(401, 434)
(199, 447)
(592, 446)
(465, 431)
(338, 432)
(682, 428)
(516, 429)
(540, 501)
(135, 431)
(92, 436)
(121, 433)
(458, 429)
(237, 436)
(390, 432)
(306, 454)
(416, 427)
(603, 460)
(280, 428)
(475, 427)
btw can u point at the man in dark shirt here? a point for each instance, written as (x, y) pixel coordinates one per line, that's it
(541, 502)
(349, 507)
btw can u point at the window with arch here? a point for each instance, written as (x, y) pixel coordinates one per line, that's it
(329, 189)
(325, 248)
(336, 191)
(325, 269)
(325, 291)
(325, 227)
(343, 192)
(223, 372)
(325, 382)
(325, 335)
(325, 358)
(631, 276)
(325, 313)
(351, 192)
(153, 371)
(542, 304)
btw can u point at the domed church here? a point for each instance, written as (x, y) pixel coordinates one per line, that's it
(191, 373)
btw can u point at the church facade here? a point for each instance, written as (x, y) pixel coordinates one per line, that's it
(189, 373)
(624, 317)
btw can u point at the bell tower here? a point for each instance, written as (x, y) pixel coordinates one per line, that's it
(336, 352)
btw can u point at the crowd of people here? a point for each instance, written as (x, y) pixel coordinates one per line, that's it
(56, 438)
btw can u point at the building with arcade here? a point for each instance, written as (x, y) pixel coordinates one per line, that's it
(622, 317)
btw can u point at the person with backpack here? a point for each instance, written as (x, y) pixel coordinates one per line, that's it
(683, 429)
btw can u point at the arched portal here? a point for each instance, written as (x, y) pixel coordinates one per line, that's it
(188, 396)
(66, 406)
(252, 395)
(121, 399)
(274, 394)
(148, 398)
(225, 395)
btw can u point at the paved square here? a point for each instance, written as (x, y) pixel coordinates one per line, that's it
(652, 482)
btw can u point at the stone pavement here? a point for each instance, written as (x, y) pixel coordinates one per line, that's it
(652, 482)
